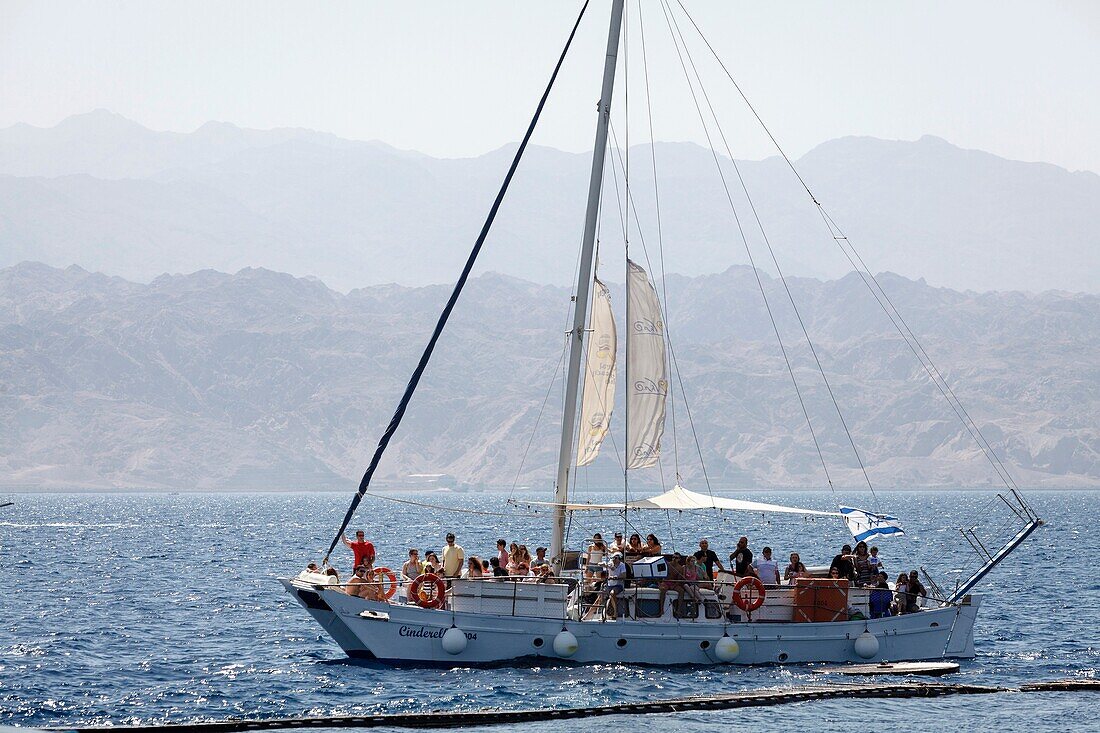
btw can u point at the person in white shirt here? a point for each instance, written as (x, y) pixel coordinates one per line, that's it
(540, 559)
(766, 568)
(876, 563)
(597, 551)
(616, 577)
(615, 585)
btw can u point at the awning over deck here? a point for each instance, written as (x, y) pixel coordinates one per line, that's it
(680, 499)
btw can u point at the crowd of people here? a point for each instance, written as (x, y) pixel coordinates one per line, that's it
(510, 561)
(606, 568)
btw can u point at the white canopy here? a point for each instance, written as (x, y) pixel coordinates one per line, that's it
(679, 499)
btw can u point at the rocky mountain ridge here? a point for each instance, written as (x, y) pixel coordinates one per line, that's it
(260, 380)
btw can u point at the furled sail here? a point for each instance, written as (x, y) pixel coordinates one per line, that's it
(599, 377)
(648, 384)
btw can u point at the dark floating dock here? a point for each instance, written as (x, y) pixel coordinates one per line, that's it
(500, 717)
(1078, 685)
(747, 699)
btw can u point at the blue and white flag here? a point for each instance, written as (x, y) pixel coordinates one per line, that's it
(866, 525)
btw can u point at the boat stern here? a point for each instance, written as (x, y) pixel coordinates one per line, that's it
(960, 644)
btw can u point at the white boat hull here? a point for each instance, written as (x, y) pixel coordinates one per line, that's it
(399, 633)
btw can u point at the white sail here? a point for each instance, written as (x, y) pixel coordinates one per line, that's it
(598, 397)
(648, 385)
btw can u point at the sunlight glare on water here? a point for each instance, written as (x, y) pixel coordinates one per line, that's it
(132, 608)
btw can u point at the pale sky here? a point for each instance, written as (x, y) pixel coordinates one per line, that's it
(1019, 79)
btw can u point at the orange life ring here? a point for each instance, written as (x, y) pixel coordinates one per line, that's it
(749, 594)
(382, 574)
(428, 590)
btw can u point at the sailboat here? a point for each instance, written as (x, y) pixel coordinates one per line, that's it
(575, 617)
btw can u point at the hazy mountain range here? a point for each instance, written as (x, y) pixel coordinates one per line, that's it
(261, 379)
(110, 195)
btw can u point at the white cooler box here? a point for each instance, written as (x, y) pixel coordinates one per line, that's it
(650, 567)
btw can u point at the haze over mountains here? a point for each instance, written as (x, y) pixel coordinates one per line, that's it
(260, 379)
(134, 378)
(109, 195)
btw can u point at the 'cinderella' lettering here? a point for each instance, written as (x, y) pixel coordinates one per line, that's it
(421, 633)
(426, 633)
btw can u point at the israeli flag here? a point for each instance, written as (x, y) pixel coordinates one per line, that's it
(866, 525)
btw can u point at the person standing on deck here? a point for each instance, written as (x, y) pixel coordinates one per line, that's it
(917, 593)
(709, 558)
(843, 564)
(742, 559)
(901, 594)
(410, 570)
(876, 563)
(795, 570)
(766, 568)
(453, 557)
(363, 550)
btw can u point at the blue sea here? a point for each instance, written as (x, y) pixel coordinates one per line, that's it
(135, 608)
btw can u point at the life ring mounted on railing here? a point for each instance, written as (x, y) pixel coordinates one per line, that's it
(428, 590)
(387, 581)
(749, 594)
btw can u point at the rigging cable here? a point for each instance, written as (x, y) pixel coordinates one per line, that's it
(425, 357)
(660, 233)
(775, 261)
(538, 418)
(748, 252)
(918, 351)
(930, 368)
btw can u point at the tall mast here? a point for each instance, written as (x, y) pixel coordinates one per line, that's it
(584, 283)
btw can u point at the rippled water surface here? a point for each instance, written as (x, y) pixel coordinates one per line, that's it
(129, 608)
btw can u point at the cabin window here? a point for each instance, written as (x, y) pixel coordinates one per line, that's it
(712, 609)
(647, 608)
(686, 608)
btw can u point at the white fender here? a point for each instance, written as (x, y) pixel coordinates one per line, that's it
(565, 643)
(866, 645)
(726, 649)
(454, 640)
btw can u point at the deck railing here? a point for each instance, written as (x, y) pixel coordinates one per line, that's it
(586, 599)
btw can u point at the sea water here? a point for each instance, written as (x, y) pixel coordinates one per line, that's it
(139, 608)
